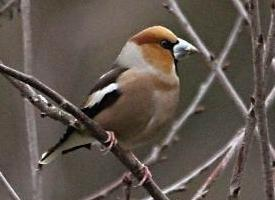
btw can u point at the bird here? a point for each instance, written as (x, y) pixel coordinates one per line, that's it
(136, 98)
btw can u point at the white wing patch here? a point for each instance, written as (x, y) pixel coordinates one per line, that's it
(97, 96)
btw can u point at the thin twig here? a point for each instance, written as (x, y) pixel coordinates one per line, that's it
(273, 63)
(173, 7)
(201, 193)
(46, 108)
(259, 93)
(270, 98)
(270, 42)
(126, 157)
(181, 183)
(11, 191)
(31, 126)
(239, 6)
(106, 190)
(7, 6)
(235, 182)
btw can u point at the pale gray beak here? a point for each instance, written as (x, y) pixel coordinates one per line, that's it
(183, 48)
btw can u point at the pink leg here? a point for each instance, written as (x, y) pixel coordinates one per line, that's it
(146, 175)
(111, 140)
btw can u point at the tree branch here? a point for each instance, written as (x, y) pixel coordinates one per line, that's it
(11, 191)
(235, 182)
(30, 119)
(240, 8)
(7, 6)
(260, 95)
(201, 193)
(181, 183)
(47, 109)
(270, 42)
(172, 6)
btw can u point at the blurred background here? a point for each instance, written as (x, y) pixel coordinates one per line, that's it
(74, 42)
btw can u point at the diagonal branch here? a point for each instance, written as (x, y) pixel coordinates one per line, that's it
(240, 8)
(11, 191)
(7, 6)
(173, 7)
(235, 182)
(126, 157)
(47, 109)
(181, 183)
(201, 193)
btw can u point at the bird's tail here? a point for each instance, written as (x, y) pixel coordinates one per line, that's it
(71, 141)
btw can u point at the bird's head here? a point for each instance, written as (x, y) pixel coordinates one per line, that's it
(155, 47)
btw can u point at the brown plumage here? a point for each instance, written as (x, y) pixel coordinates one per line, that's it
(138, 97)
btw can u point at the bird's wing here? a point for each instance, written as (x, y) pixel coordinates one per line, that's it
(104, 93)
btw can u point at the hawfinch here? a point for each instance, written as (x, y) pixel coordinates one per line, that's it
(137, 97)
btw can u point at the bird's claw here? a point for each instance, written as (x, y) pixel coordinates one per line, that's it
(111, 140)
(146, 175)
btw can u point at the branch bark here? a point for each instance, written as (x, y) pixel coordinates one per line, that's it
(31, 126)
(235, 182)
(11, 191)
(260, 95)
(270, 42)
(240, 8)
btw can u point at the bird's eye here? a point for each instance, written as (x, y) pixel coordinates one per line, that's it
(166, 44)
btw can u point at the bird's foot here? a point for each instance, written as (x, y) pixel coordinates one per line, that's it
(127, 179)
(146, 175)
(111, 141)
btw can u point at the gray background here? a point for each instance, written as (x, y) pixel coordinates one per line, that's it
(75, 42)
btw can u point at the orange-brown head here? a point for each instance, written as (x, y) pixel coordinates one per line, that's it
(155, 47)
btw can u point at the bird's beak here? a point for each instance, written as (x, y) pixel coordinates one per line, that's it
(183, 48)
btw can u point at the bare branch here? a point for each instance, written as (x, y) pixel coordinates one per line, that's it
(235, 182)
(126, 157)
(11, 191)
(173, 7)
(31, 126)
(259, 93)
(239, 6)
(269, 50)
(206, 165)
(270, 98)
(7, 6)
(270, 42)
(216, 173)
(46, 108)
